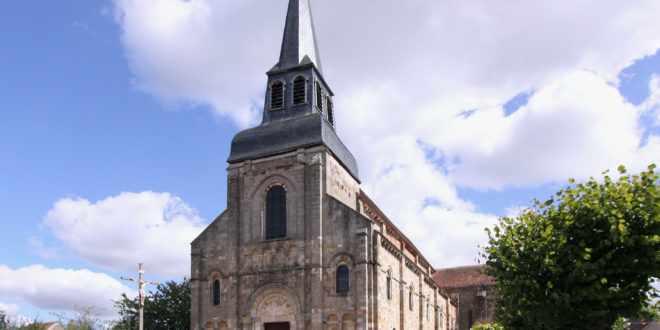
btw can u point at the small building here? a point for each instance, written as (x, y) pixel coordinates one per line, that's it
(472, 291)
(50, 326)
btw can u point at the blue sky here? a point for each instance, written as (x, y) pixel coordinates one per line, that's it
(116, 119)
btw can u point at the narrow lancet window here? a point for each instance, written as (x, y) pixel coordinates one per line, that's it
(299, 90)
(277, 95)
(388, 285)
(216, 292)
(331, 114)
(342, 279)
(319, 97)
(276, 212)
(410, 297)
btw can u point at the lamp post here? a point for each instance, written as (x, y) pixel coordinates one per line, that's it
(484, 293)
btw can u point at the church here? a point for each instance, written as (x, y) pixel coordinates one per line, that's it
(300, 245)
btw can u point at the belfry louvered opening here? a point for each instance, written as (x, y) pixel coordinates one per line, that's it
(299, 90)
(319, 97)
(331, 115)
(277, 95)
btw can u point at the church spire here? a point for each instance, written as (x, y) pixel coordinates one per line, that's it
(299, 41)
(298, 109)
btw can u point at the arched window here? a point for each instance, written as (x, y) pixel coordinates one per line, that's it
(388, 285)
(319, 97)
(410, 297)
(299, 90)
(331, 115)
(277, 95)
(342, 279)
(276, 212)
(216, 292)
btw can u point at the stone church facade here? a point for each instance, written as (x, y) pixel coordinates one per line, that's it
(300, 245)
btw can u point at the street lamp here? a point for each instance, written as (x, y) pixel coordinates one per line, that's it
(484, 293)
(484, 290)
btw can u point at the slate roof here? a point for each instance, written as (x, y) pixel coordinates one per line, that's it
(287, 135)
(299, 40)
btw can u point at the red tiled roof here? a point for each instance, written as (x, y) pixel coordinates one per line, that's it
(461, 276)
(46, 325)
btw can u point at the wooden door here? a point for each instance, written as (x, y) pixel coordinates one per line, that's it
(277, 326)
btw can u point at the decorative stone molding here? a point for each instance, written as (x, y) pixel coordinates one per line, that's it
(389, 247)
(315, 159)
(430, 282)
(342, 258)
(413, 267)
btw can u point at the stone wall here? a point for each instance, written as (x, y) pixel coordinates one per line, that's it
(323, 232)
(429, 303)
(293, 279)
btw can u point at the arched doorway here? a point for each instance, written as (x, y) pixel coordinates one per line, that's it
(274, 308)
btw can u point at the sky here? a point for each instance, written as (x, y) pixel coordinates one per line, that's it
(116, 118)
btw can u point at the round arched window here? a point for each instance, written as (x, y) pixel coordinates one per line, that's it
(276, 212)
(342, 279)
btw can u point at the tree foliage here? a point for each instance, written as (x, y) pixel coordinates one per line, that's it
(6, 323)
(486, 326)
(85, 318)
(168, 308)
(582, 259)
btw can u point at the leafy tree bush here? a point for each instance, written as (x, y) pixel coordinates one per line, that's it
(86, 318)
(8, 324)
(582, 259)
(166, 309)
(5, 322)
(486, 326)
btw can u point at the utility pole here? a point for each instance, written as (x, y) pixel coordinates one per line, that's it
(143, 294)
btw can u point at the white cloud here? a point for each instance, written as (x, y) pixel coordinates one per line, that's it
(11, 310)
(202, 52)
(575, 126)
(468, 54)
(402, 73)
(60, 289)
(652, 103)
(120, 231)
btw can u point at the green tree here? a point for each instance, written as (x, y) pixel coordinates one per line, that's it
(168, 308)
(6, 323)
(582, 259)
(486, 326)
(85, 318)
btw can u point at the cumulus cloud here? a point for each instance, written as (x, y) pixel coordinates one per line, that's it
(60, 289)
(652, 104)
(575, 126)
(120, 231)
(471, 54)
(404, 74)
(202, 52)
(10, 309)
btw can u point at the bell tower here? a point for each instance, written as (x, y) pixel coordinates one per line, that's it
(298, 110)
